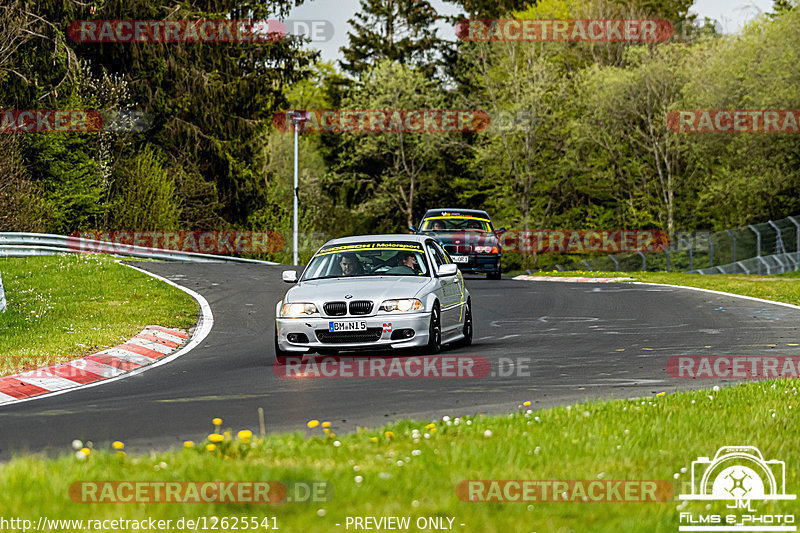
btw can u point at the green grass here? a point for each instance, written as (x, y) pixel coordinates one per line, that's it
(646, 439)
(777, 288)
(65, 307)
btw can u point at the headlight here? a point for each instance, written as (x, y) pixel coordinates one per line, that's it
(409, 304)
(298, 310)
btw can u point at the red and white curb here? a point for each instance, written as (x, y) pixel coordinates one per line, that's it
(152, 344)
(570, 280)
(135, 355)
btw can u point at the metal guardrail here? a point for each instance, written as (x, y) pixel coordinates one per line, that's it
(764, 264)
(32, 244)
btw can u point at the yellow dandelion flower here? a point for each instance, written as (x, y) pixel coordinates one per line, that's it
(216, 437)
(373, 439)
(431, 425)
(313, 423)
(661, 394)
(389, 435)
(188, 444)
(326, 424)
(326, 430)
(526, 404)
(117, 445)
(245, 434)
(86, 451)
(211, 447)
(433, 430)
(217, 421)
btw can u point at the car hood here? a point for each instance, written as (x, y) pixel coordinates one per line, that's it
(375, 288)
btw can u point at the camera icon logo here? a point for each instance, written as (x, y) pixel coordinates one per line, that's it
(738, 473)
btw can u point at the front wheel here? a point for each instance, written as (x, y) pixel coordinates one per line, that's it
(435, 332)
(495, 275)
(467, 340)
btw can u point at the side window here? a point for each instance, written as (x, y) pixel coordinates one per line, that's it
(443, 253)
(437, 257)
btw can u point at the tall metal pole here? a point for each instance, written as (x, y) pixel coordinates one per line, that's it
(296, 122)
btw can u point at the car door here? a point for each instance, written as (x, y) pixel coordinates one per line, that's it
(451, 291)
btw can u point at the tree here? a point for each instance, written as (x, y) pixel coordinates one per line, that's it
(397, 30)
(491, 8)
(392, 170)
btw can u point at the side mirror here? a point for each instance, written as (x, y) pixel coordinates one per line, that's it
(413, 229)
(447, 270)
(500, 231)
(289, 276)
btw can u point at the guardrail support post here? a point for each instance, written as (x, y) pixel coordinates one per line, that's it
(2, 296)
(733, 244)
(797, 232)
(587, 265)
(666, 253)
(710, 252)
(644, 260)
(616, 263)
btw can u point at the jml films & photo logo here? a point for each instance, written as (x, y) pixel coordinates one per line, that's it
(740, 477)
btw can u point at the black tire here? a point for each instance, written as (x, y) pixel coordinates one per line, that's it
(435, 331)
(495, 275)
(468, 327)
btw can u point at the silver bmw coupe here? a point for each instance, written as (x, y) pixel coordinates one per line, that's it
(369, 292)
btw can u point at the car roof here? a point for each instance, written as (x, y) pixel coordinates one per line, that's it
(473, 212)
(399, 237)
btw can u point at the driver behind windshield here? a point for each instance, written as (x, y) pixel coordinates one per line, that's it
(350, 265)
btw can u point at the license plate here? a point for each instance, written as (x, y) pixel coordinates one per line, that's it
(347, 326)
(460, 259)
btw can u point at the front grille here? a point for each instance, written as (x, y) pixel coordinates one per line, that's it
(360, 307)
(335, 308)
(458, 249)
(342, 337)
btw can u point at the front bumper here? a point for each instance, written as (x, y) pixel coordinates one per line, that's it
(479, 263)
(387, 323)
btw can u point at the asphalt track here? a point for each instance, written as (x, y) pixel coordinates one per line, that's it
(581, 341)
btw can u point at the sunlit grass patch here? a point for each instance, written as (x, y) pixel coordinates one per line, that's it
(67, 306)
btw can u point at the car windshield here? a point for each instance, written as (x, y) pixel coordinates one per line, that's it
(368, 259)
(455, 223)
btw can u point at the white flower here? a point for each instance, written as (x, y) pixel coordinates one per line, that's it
(676, 475)
(384, 475)
(683, 470)
(427, 435)
(356, 468)
(469, 422)
(416, 452)
(320, 512)
(336, 444)
(400, 463)
(415, 503)
(445, 418)
(358, 479)
(77, 445)
(716, 388)
(487, 433)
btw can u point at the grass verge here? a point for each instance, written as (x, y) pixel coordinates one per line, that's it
(777, 288)
(412, 469)
(64, 307)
